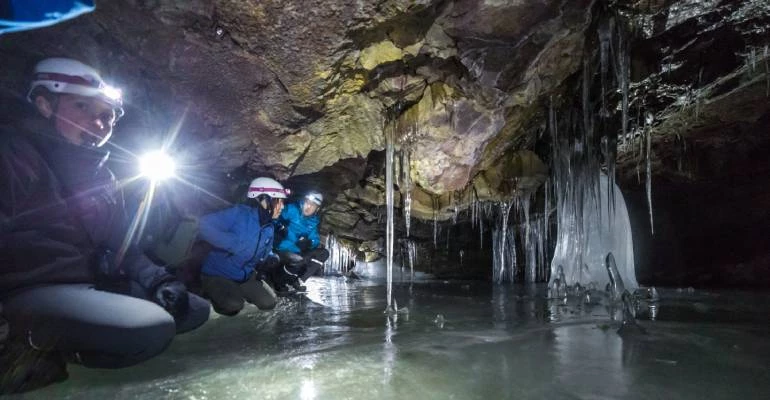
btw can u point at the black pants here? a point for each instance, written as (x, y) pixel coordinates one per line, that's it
(227, 296)
(95, 328)
(296, 266)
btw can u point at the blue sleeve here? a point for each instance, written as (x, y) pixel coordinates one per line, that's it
(19, 15)
(216, 228)
(290, 215)
(312, 225)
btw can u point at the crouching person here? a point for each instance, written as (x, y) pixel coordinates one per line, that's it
(72, 287)
(299, 249)
(242, 237)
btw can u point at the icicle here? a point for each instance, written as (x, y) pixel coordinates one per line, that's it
(530, 274)
(625, 76)
(649, 119)
(767, 73)
(435, 230)
(389, 136)
(340, 256)
(587, 122)
(448, 231)
(500, 243)
(512, 265)
(412, 258)
(585, 232)
(474, 210)
(605, 37)
(622, 72)
(407, 189)
(542, 245)
(481, 233)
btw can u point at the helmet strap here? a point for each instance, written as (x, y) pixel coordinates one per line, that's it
(265, 213)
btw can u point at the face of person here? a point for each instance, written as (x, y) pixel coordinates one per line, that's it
(309, 208)
(277, 208)
(82, 120)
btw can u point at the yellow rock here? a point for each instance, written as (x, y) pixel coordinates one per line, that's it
(379, 53)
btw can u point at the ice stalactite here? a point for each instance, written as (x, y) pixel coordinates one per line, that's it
(411, 250)
(530, 246)
(623, 76)
(605, 44)
(503, 252)
(436, 204)
(585, 231)
(477, 216)
(389, 229)
(533, 231)
(548, 187)
(448, 236)
(591, 215)
(648, 160)
(613, 53)
(341, 257)
(407, 189)
(481, 232)
(767, 72)
(474, 208)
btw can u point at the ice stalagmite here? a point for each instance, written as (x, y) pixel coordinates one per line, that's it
(582, 252)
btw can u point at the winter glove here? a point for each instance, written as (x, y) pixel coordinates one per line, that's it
(265, 268)
(280, 230)
(109, 277)
(304, 244)
(173, 297)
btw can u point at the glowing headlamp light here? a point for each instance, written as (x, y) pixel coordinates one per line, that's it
(157, 166)
(112, 93)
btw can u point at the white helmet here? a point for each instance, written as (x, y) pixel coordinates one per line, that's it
(315, 197)
(65, 75)
(267, 186)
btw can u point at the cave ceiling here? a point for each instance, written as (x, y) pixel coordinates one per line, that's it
(307, 91)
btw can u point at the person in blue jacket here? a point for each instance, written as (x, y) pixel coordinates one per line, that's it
(242, 237)
(299, 249)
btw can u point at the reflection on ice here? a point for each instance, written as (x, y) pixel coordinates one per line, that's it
(462, 340)
(308, 391)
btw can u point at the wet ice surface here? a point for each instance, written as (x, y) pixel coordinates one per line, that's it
(459, 340)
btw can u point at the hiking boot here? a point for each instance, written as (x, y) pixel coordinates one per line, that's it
(23, 368)
(299, 287)
(283, 291)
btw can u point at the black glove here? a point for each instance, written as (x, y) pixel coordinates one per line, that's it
(265, 268)
(173, 297)
(280, 230)
(109, 277)
(304, 243)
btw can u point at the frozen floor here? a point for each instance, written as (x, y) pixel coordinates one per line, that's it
(458, 340)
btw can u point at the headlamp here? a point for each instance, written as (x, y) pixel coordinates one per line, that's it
(157, 166)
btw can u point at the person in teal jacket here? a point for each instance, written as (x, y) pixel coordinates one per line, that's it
(299, 249)
(242, 237)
